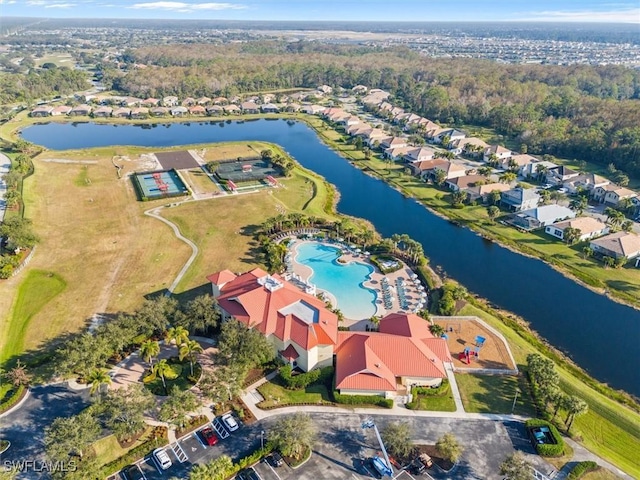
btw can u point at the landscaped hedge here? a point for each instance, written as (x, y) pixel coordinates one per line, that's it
(547, 450)
(302, 380)
(158, 438)
(12, 398)
(432, 392)
(362, 400)
(378, 259)
(581, 468)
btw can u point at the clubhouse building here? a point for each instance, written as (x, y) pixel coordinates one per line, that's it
(403, 353)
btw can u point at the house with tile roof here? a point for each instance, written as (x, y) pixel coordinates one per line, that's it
(589, 228)
(402, 354)
(498, 150)
(586, 181)
(539, 217)
(464, 181)
(560, 174)
(425, 168)
(612, 194)
(419, 154)
(518, 199)
(301, 328)
(617, 245)
(481, 192)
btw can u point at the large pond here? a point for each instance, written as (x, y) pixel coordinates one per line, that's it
(600, 335)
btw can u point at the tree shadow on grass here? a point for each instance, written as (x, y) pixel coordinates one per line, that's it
(623, 286)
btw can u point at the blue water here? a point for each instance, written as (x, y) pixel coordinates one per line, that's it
(600, 335)
(343, 281)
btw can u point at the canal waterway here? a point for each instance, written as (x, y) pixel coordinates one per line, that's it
(600, 335)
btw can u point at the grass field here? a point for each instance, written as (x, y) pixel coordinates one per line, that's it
(199, 181)
(494, 394)
(275, 394)
(608, 429)
(36, 290)
(437, 403)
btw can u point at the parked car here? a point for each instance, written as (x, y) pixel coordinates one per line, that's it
(209, 436)
(162, 458)
(230, 422)
(247, 474)
(132, 472)
(275, 459)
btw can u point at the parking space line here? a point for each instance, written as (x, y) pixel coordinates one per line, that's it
(273, 470)
(141, 472)
(154, 463)
(195, 434)
(182, 456)
(220, 430)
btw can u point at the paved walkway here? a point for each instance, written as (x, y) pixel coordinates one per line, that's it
(194, 248)
(5, 165)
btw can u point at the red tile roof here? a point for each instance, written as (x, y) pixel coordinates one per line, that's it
(222, 277)
(365, 361)
(290, 353)
(280, 309)
(406, 325)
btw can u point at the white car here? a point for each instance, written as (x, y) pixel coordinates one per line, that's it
(230, 422)
(162, 458)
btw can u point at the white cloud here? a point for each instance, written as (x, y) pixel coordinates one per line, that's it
(60, 5)
(628, 15)
(183, 7)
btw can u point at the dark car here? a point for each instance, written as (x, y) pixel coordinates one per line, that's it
(209, 436)
(275, 459)
(132, 472)
(247, 474)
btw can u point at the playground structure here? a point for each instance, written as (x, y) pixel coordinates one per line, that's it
(476, 346)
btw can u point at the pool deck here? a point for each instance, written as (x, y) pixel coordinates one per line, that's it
(412, 290)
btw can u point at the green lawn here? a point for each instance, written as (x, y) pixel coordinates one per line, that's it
(107, 449)
(494, 394)
(608, 429)
(276, 395)
(177, 377)
(436, 403)
(36, 290)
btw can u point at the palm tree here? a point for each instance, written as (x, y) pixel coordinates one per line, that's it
(614, 217)
(578, 205)
(148, 350)
(97, 378)
(507, 177)
(367, 238)
(575, 407)
(541, 171)
(188, 350)
(160, 369)
(179, 334)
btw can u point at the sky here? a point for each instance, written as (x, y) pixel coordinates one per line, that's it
(623, 11)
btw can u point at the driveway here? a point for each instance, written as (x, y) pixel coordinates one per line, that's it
(24, 427)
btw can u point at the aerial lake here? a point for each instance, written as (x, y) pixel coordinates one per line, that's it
(600, 335)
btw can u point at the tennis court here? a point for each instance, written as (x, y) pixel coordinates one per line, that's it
(166, 183)
(246, 170)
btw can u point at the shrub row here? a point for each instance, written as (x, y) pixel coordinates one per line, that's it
(581, 468)
(432, 392)
(158, 438)
(546, 450)
(12, 397)
(294, 382)
(362, 400)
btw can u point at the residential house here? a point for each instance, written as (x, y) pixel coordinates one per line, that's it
(393, 142)
(375, 97)
(560, 174)
(482, 192)
(139, 112)
(334, 114)
(589, 228)
(471, 146)
(402, 354)
(539, 217)
(232, 108)
(130, 102)
(220, 101)
(203, 101)
(80, 110)
(518, 199)
(313, 109)
(214, 110)
(534, 169)
(451, 170)
(269, 108)
(268, 98)
(178, 111)
(617, 245)
(150, 102)
(121, 112)
(374, 137)
(451, 133)
(432, 132)
(517, 162)
(170, 101)
(463, 182)
(498, 150)
(249, 107)
(396, 153)
(585, 181)
(348, 121)
(419, 154)
(188, 102)
(61, 110)
(299, 325)
(359, 89)
(159, 111)
(359, 129)
(612, 194)
(425, 168)
(103, 112)
(326, 89)
(291, 107)
(197, 110)
(42, 111)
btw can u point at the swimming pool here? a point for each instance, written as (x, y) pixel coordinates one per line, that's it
(344, 282)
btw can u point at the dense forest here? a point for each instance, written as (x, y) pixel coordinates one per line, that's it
(40, 83)
(584, 112)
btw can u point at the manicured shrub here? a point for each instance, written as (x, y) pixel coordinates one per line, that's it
(581, 468)
(432, 392)
(362, 400)
(302, 380)
(547, 450)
